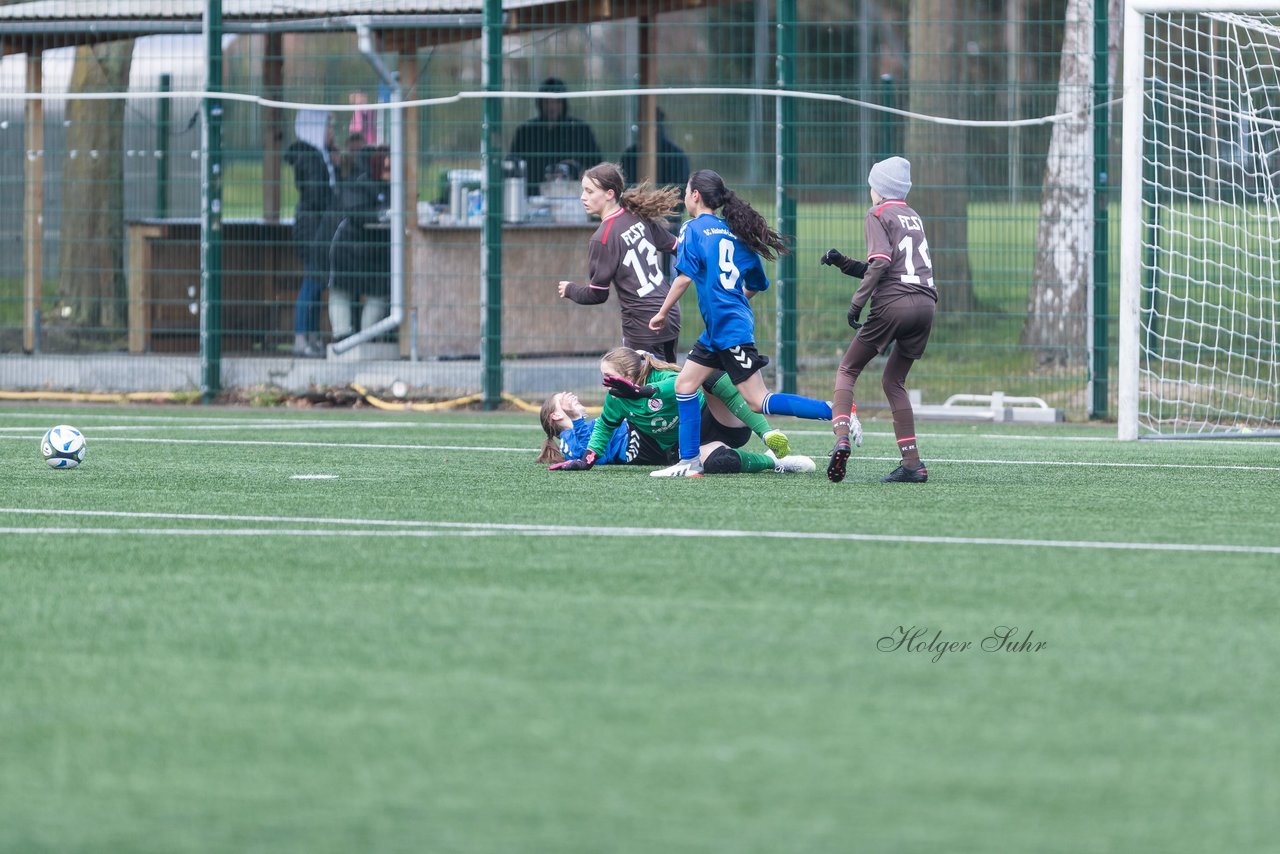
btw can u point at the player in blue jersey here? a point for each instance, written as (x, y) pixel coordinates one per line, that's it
(568, 432)
(721, 257)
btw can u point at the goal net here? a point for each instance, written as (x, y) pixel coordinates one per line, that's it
(1200, 221)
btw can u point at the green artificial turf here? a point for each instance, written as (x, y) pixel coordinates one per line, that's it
(447, 648)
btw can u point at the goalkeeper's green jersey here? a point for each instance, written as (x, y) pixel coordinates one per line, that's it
(655, 417)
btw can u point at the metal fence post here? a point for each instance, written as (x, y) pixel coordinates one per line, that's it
(491, 236)
(1101, 265)
(211, 213)
(785, 191)
(886, 118)
(164, 111)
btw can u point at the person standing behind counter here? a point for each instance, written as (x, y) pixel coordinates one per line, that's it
(553, 137)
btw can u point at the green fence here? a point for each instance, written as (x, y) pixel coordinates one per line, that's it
(110, 215)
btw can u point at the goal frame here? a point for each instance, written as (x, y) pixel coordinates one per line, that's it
(1131, 224)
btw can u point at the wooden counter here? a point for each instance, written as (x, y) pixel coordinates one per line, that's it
(260, 279)
(261, 274)
(447, 292)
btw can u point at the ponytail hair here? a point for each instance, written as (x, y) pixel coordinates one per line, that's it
(743, 220)
(636, 365)
(550, 452)
(652, 204)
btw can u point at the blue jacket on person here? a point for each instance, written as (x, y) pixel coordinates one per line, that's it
(573, 442)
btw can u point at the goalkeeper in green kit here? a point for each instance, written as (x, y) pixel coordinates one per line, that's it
(642, 393)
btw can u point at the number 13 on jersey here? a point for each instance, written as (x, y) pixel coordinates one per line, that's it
(648, 270)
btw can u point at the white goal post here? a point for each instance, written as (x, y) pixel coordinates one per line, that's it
(1200, 220)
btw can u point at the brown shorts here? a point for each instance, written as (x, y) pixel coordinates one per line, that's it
(907, 320)
(664, 350)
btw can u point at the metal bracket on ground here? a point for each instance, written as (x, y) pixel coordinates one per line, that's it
(996, 407)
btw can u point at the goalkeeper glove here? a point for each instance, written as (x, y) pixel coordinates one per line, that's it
(588, 460)
(626, 389)
(855, 311)
(848, 266)
(855, 430)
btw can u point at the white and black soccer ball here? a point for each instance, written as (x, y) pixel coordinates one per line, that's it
(62, 447)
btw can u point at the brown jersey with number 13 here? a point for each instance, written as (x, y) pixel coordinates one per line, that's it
(627, 253)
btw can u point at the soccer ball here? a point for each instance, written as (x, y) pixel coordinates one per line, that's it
(62, 447)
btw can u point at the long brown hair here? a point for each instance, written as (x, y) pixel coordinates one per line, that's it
(550, 452)
(652, 204)
(744, 221)
(637, 366)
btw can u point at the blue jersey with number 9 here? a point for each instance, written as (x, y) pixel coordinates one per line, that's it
(723, 269)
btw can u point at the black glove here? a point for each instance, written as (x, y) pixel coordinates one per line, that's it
(848, 266)
(626, 389)
(855, 311)
(587, 461)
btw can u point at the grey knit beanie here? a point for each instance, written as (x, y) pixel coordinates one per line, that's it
(891, 178)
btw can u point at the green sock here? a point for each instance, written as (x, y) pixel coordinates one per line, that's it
(754, 462)
(728, 394)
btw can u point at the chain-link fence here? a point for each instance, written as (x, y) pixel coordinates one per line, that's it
(131, 220)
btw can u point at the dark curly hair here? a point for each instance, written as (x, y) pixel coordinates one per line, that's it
(744, 221)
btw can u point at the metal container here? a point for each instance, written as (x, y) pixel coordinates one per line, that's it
(461, 182)
(515, 204)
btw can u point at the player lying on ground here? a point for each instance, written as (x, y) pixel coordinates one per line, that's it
(568, 432)
(641, 400)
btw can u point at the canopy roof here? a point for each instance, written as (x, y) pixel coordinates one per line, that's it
(45, 24)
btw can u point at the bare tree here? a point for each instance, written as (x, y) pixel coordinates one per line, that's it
(92, 243)
(937, 152)
(1057, 308)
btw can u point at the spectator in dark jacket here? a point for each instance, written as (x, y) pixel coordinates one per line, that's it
(310, 155)
(360, 256)
(554, 137)
(673, 163)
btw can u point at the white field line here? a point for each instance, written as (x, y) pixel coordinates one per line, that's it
(274, 424)
(282, 444)
(191, 423)
(417, 528)
(1086, 464)
(243, 532)
(526, 450)
(1031, 437)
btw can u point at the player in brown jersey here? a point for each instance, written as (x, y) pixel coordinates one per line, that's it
(624, 254)
(898, 277)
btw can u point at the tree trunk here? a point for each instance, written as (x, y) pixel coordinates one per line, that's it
(937, 152)
(1057, 308)
(92, 242)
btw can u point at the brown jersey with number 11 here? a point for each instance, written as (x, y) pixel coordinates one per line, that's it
(895, 235)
